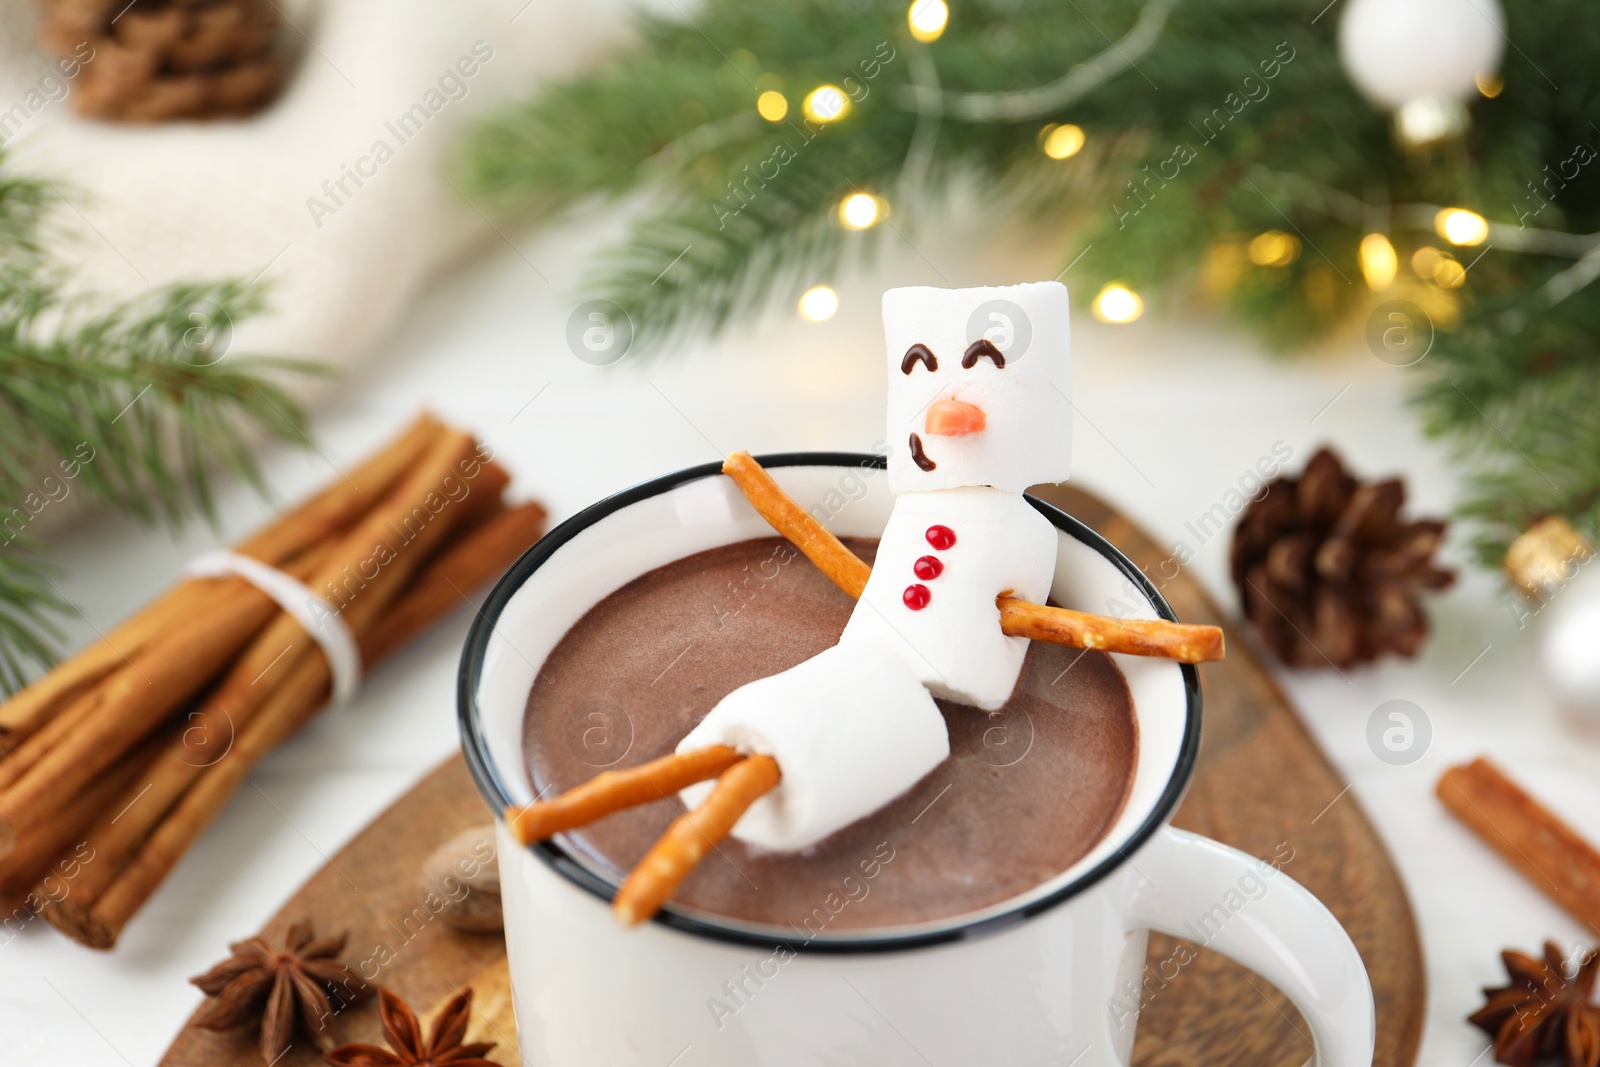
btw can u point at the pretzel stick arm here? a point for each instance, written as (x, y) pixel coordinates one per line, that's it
(690, 837)
(1183, 642)
(614, 790)
(1018, 618)
(846, 569)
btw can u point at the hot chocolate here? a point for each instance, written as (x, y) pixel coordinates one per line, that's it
(1025, 793)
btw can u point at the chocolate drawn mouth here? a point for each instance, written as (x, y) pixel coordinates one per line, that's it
(918, 456)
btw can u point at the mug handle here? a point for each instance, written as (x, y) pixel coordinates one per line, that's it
(1286, 935)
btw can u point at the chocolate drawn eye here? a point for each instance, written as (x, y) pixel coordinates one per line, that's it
(979, 349)
(918, 353)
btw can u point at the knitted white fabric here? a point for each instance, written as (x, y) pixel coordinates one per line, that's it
(236, 199)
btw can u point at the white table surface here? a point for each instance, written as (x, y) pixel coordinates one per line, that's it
(1173, 412)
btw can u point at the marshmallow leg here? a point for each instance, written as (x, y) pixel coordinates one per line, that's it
(851, 729)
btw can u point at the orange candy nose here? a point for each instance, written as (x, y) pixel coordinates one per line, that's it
(952, 418)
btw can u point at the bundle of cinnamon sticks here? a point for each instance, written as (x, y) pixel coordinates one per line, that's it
(113, 764)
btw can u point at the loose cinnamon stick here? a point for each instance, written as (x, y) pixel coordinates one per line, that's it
(690, 837)
(847, 570)
(286, 537)
(1185, 643)
(135, 852)
(612, 791)
(1547, 851)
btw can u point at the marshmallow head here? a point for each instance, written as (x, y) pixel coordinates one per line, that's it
(979, 381)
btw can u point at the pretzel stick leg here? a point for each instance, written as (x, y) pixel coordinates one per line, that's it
(690, 837)
(612, 791)
(1183, 642)
(1138, 637)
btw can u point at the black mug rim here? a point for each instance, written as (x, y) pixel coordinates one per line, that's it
(475, 747)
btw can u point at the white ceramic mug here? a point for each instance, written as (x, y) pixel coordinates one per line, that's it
(1050, 977)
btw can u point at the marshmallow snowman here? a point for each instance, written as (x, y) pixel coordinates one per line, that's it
(978, 384)
(978, 390)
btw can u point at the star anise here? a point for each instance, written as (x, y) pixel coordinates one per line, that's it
(303, 980)
(1543, 1012)
(404, 1034)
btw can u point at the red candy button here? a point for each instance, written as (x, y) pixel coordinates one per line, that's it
(928, 568)
(916, 597)
(941, 537)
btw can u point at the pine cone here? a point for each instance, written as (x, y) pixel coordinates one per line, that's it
(155, 60)
(1329, 574)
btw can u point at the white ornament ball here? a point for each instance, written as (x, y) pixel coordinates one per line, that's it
(1398, 51)
(1568, 637)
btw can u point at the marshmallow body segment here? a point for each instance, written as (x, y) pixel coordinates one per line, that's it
(1021, 382)
(930, 601)
(851, 729)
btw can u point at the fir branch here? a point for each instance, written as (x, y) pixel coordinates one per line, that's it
(1214, 123)
(138, 403)
(23, 203)
(28, 605)
(1016, 105)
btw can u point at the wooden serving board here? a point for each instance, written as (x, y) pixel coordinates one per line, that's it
(1262, 785)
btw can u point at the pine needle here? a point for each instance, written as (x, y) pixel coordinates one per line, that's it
(1238, 120)
(139, 403)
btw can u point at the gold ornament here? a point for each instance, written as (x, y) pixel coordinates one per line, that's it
(1551, 564)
